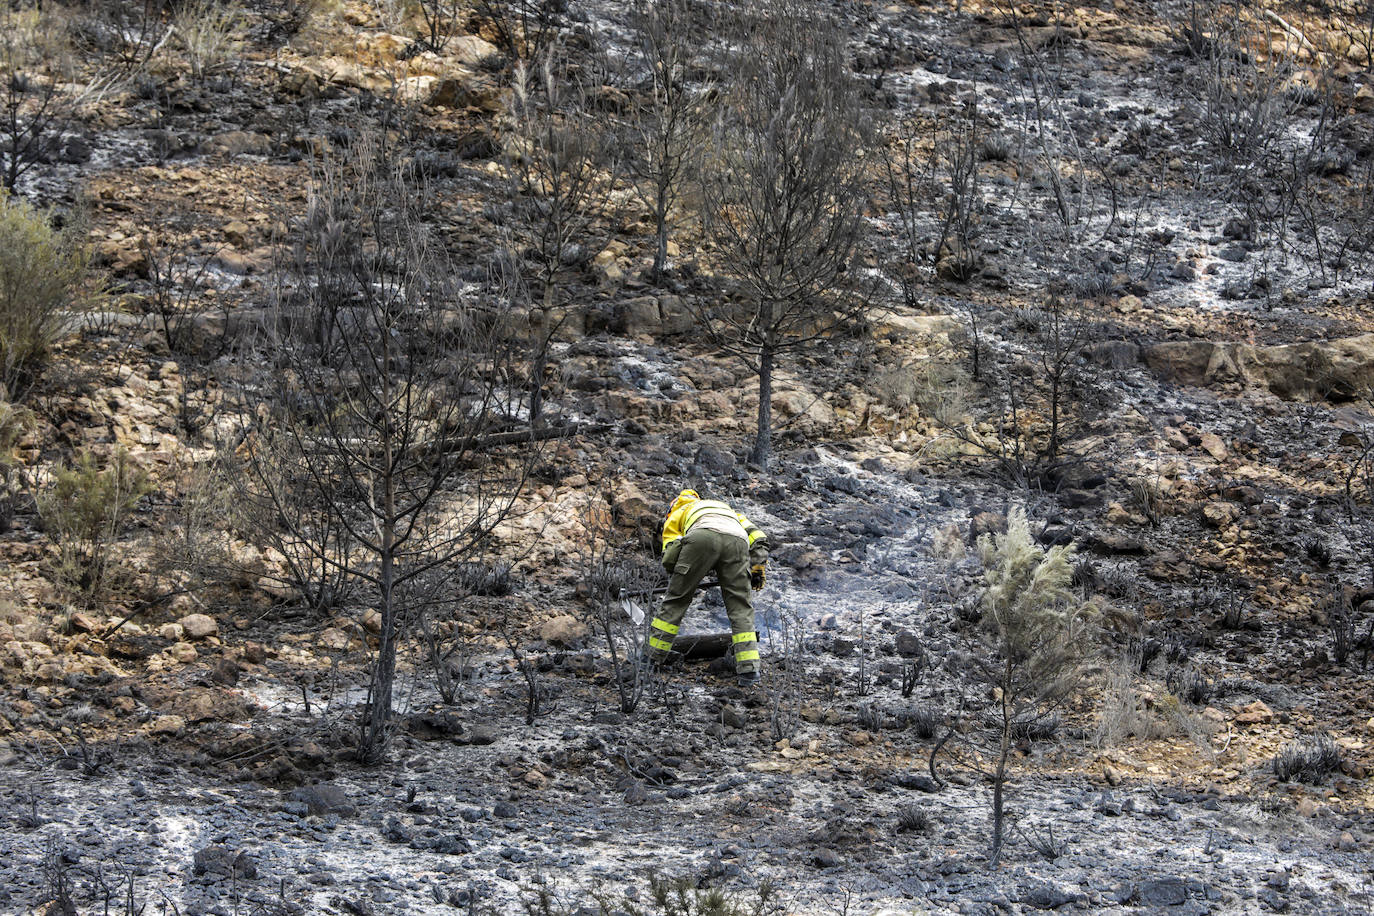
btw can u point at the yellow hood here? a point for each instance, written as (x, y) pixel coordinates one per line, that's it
(683, 498)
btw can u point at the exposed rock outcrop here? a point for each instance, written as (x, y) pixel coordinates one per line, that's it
(1337, 370)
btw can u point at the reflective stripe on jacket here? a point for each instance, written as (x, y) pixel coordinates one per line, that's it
(681, 520)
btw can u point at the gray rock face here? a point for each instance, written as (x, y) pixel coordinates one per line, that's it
(1043, 895)
(908, 644)
(323, 799)
(394, 831)
(483, 735)
(469, 90)
(563, 630)
(199, 626)
(1161, 892)
(1334, 369)
(636, 794)
(436, 725)
(219, 860)
(450, 845)
(210, 704)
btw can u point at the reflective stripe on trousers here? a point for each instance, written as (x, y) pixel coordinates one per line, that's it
(703, 551)
(662, 628)
(746, 647)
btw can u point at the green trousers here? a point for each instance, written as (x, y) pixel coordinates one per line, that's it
(699, 552)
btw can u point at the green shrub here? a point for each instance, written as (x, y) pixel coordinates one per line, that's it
(1040, 634)
(84, 511)
(40, 271)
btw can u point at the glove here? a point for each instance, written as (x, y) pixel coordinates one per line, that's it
(670, 554)
(756, 577)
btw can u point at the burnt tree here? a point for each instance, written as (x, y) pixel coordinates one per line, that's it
(783, 191)
(375, 423)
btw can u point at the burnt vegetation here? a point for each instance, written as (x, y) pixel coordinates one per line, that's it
(352, 350)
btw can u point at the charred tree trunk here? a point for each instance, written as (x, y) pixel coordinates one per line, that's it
(999, 777)
(661, 229)
(763, 438)
(377, 728)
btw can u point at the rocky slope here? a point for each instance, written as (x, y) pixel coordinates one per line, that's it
(194, 751)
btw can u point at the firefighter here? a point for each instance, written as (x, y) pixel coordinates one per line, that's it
(701, 536)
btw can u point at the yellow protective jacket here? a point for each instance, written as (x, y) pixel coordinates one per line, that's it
(688, 509)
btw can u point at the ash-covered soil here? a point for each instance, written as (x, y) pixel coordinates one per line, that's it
(586, 798)
(198, 754)
(249, 800)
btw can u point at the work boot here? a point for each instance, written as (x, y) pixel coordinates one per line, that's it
(748, 678)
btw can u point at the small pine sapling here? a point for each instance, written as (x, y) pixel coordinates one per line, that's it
(1036, 635)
